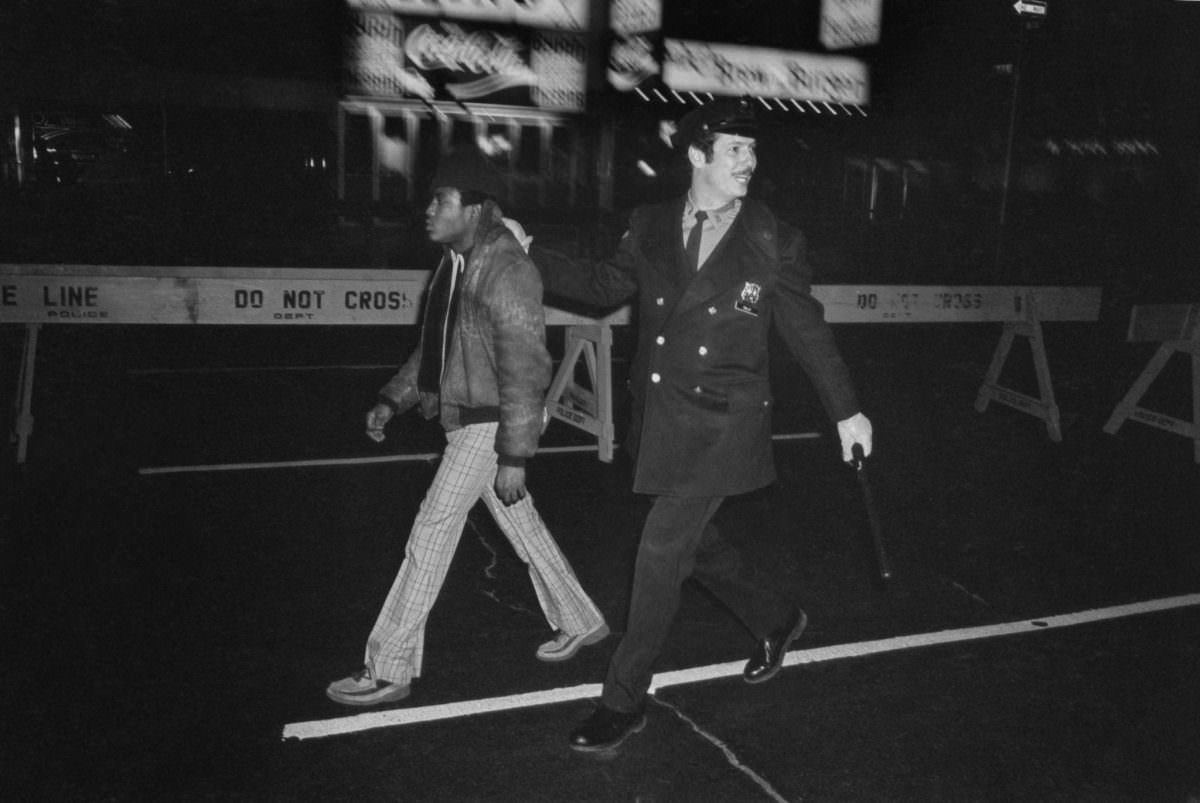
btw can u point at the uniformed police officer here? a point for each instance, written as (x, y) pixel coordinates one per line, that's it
(712, 272)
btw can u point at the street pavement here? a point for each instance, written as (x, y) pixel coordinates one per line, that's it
(162, 629)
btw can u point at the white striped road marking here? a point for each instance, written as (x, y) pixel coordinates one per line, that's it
(254, 369)
(391, 458)
(430, 713)
(427, 457)
(409, 716)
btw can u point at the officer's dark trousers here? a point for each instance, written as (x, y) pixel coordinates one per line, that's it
(678, 542)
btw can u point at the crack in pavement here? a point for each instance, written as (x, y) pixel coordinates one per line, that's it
(489, 572)
(730, 756)
(957, 586)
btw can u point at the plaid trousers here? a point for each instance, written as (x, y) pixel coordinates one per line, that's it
(396, 647)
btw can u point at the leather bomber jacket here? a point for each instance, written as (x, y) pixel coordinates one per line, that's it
(497, 366)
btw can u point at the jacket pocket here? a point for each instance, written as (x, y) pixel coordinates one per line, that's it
(706, 398)
(729, 398)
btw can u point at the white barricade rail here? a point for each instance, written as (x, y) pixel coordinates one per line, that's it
(34, 295)
(1177, 328)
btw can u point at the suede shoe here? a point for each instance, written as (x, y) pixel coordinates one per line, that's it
(768, 655)
(605, 729)
(564, 646)
(363, 689)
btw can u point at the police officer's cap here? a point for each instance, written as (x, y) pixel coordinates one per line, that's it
(724, 116)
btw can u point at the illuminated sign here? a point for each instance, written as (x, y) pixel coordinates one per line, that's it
(393, 56)
(631, 62)
(636, 27)
(850, 23)
(737, 70)
(1030, 8)
(1102, 148)
(635, 16)
(562, 15)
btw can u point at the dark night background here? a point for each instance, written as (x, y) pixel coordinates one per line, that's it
(232, 102)
(159, 628)
(1100, 62)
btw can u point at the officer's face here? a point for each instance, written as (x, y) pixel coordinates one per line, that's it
(728, 174)
(446, 219)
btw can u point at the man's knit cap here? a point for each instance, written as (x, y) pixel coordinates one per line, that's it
(468, 171)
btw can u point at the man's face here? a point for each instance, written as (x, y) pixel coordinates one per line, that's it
(727, 176)
(446, 219)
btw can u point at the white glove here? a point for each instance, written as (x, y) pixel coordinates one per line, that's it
(852, 430)
(518, 231)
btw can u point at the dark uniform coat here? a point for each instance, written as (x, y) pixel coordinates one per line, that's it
(701, 423)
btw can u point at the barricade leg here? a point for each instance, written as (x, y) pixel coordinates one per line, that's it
(589, 410)
(566, 369)
(604, 395)
(1130, 404)
(1196, 401)
(992, 377)
(1045, 387)
(1044, 406)
(23, 405)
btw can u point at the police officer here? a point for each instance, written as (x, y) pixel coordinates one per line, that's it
(712, 271)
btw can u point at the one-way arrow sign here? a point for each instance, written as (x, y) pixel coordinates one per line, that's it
(1030, 8)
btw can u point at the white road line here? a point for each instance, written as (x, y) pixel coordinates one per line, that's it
(391, 458)
(337, 461)
(409, 716)
(254, 369)
(428, 457)
(431, 713)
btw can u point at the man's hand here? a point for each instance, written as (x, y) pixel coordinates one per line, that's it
(377, 419)
(852, 430)
(510, 484)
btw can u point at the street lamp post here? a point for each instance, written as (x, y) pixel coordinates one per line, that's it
(1030, 13)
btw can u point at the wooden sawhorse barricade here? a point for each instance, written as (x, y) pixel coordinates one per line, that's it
(589, 407)
(35, 295)
(1021, 310)
(1177, 328)
(1044, 405)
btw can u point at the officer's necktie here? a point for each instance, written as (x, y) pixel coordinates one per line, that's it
(692, 247)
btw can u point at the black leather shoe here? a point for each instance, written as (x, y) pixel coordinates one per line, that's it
(768, 655)
(605, 729)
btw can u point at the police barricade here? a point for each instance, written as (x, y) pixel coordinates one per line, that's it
(1176, 327)
(1021, 310)
(35, 295)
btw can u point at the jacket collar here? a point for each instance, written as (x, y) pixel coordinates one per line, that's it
(747, 243)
